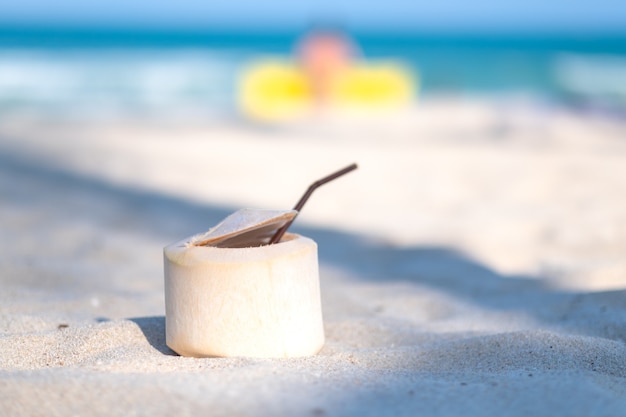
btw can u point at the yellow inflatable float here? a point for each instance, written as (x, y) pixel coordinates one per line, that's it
(275, 90)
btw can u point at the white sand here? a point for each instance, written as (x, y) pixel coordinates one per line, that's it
(475, 264)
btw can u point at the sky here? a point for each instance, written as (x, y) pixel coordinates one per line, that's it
(570, 16)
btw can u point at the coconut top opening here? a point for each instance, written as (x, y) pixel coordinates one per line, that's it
(245, 228)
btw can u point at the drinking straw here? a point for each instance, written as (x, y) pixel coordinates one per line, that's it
(280, 232)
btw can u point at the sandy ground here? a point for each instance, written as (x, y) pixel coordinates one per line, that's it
(475, 264)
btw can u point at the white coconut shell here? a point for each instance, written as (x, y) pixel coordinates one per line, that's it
(256, 302)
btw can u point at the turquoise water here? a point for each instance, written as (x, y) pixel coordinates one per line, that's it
(115, 70)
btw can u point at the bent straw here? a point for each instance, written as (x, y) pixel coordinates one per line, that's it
(280, 232)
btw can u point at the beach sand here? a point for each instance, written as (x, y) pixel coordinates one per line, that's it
(474, 264)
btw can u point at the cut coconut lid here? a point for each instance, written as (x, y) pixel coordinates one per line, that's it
(255, 227)
(245, 228)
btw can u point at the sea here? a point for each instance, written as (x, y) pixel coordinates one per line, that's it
(102, 72)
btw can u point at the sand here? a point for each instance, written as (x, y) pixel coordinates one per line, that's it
(475, 264)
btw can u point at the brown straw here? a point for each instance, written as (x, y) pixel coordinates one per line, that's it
(280, 232)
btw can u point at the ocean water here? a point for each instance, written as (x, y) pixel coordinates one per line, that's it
(104, 72)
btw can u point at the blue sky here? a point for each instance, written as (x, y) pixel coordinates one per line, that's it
(446, 15)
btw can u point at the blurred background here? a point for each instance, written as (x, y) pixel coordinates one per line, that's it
(499, 129)
(189, 59)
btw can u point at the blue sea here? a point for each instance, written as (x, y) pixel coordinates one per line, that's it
(106, 71)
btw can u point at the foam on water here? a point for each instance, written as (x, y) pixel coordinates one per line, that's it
(117, 80)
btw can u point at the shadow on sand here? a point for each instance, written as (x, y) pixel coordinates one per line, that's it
(153, 329)
(167, 219)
